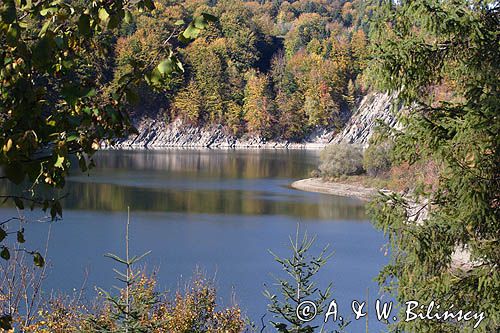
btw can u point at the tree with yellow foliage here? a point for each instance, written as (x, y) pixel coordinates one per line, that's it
(258, 105)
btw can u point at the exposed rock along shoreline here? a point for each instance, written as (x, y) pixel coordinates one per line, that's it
(157, 134)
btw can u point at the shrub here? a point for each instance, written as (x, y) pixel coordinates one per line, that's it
(376, 159)
(138, 307)
(341, 159)
(315, 173)
(193, 310)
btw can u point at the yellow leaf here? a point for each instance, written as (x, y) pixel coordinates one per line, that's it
(7, 146)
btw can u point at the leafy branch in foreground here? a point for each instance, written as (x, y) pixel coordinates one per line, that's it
(20, 282)
(55, 100)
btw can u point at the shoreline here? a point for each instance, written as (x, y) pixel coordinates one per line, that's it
(267, 146)
(461, 256)
(319, 185)
(155, 133)
(158, 135)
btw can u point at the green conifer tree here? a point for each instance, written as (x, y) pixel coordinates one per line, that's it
(422, 45)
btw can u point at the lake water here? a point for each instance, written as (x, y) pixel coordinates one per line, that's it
(220, 211)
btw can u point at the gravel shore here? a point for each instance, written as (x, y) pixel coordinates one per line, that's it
(346, 190)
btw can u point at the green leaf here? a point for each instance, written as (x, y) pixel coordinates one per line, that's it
(191, 32)
(5, 254)
(103, 16)
(155, 77)
(84, 25)
(179, 22)
(38, 259)
(19, 203)
(23, 24)
(202, 21)
(129, 18)
(67, 64)
(194, 28)
(166, 67)
(45, 27)
(3, 234)
(179, 65)
(87, 92)
(183, 39)
(46, 11)
(59, 162)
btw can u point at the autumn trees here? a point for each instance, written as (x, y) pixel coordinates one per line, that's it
(231, 78)
(258, 108)
(322, 49)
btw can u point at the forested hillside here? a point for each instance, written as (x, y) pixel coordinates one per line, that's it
(275, 69)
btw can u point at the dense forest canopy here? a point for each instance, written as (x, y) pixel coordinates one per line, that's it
(276, 69)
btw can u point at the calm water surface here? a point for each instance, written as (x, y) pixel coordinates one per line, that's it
(220, 211)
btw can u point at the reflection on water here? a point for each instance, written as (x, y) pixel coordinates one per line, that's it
(220, 210)
(212, 164)
(205, 181)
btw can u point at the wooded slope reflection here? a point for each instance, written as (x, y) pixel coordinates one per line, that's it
(205, 181)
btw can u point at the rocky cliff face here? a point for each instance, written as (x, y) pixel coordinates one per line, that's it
(374, 108)
(157, 134)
